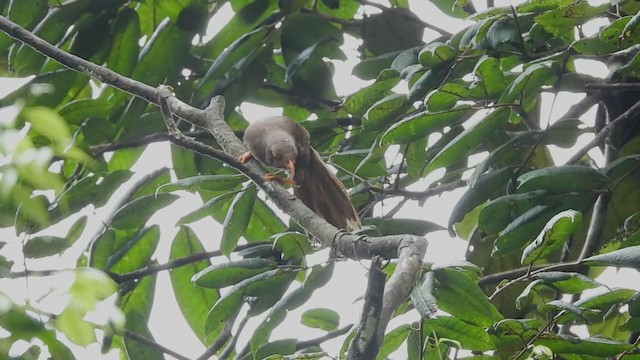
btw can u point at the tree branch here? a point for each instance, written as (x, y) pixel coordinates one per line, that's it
(142, 141)
(365, 344)
(604, 132)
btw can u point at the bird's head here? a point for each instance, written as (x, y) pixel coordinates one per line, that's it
(282, 154)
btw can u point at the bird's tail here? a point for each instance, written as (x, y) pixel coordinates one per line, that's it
(323, 193)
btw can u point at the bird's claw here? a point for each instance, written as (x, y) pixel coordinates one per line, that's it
(244, 158)
(283, 181)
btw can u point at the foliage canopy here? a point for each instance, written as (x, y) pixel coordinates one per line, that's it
(539, 232)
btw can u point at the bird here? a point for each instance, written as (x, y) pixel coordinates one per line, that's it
(281, 142)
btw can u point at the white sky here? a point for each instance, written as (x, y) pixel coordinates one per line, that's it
(348, 283)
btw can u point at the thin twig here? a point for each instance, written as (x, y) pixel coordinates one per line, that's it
(300, 345)
(176, 263)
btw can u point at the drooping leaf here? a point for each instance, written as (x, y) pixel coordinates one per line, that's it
(237, 219)
(194, 301)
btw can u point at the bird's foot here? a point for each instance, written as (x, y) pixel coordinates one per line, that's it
(244, 158)
(276, 178)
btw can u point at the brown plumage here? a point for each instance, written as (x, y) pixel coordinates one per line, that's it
(283, 143)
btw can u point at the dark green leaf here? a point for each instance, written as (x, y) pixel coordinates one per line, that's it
(471, 337)
(230, 273)
(567, 282)
(422, 124)
(393, 226)
(237, 219)
(384, 111)
(137, 212)
(460, 296)
(562, 179)
(136, 251)
(479, 192)
(393, 340)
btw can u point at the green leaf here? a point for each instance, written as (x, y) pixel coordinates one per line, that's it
(493, 80)
(241, 23)
(359, 102)
(292, 245)
(48, 123)
(136, 306)
(237, 219)
(460, 296)
(124, 51)
(594, 346)
(46, 245)
(223, 182)
(384, 111)
(318, 277)
(567, 282)
(627, 257)
(498, 213)
(468, 140)
(423, 298)
(229, 304)
(320, 318)
(77, 111)
(529, 81)
(436, 53)
(136, 213)
(553, 237)
(136, 252)
(396, 226)
(429, 80)
(393, 340)
(96, 190)
(71, 323)
(479, 192)
(370, 68)
(194, 301)
(230, 273)
(470, 337)
(424, 123)
(562, 179)
(215, 207)
(620, 168)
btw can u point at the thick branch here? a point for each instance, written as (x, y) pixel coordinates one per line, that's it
(365, 344)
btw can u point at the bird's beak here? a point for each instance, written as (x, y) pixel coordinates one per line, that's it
(291, 168)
